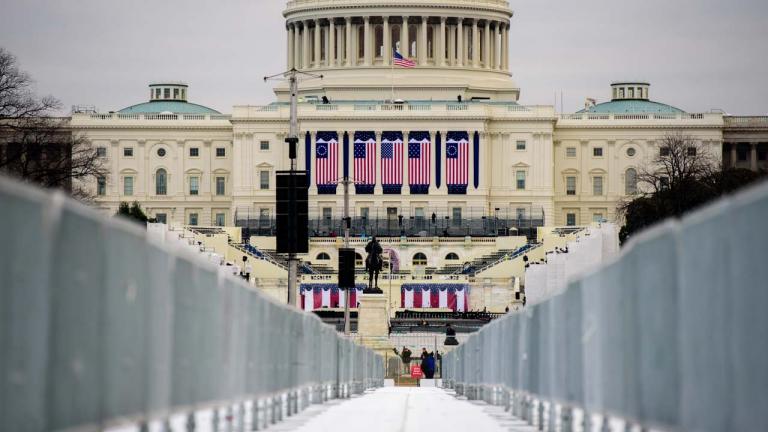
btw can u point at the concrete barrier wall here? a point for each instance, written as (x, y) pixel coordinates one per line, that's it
(672, 334)
(99, 325)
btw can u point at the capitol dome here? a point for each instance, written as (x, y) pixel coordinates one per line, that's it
(168, 98)
(449, 48)
(631, 98)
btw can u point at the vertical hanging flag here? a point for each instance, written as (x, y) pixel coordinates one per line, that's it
(438, 158)
(419, 147)
(327, 162)
(457, 162)
(476, 162)
(365, 162)
(392, 162)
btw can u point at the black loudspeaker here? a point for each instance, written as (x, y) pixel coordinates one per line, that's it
(292, 215)
(346, 268)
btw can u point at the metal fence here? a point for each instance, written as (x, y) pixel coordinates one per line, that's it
(99, 327)
(672, 335)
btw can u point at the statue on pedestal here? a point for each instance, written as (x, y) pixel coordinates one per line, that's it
(373, 265)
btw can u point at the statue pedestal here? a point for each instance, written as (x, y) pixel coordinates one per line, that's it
(373, 323)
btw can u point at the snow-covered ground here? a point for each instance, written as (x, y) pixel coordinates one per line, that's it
(402, 409)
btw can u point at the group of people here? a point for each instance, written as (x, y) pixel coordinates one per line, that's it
(428, 361)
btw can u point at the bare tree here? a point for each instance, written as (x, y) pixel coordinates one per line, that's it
(37, 146)
(680, 159)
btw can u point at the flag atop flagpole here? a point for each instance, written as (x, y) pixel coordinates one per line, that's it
(401, 61)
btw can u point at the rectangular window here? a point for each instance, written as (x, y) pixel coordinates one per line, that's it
(742, 153)
(664, 151)
(597, 217)
(194, 152)
(570, 219)
(219, 219)
(221, 152)
(193, 219)
(570, 152)
(520, 145)
(128, 152)
(364, 212)
(691, 151)
(664, 183)
(456, 216)
(220, 186)
(161, 218)
(597, 186)
(264, 180)
(327, 213)
(520, 180)
(264, 145)
(128, 186)
(570, 185)
(167, 93)
(101, 152)
(520, 213)
(597, 152)
(194, 185)
(101, 186)
(264, 216)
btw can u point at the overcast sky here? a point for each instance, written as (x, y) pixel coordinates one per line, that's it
(697, 54)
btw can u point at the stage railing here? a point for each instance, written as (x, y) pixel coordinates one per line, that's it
(99, 327)
(670, 336)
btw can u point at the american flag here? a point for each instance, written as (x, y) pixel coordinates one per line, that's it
(457, 159)
(327, 160)
(401, 61)
(418, 158)
(392, 158)
(365, 160)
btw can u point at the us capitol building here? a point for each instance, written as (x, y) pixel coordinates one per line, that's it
(438, 144)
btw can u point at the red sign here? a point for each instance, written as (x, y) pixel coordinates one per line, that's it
(416, 372)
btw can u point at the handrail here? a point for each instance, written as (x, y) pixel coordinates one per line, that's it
(115, 327)
(669, 336)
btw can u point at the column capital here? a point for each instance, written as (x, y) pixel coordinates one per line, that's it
(348, 19)
(443, 19)
(367, 18)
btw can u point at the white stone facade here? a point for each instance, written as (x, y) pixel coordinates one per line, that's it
(461, 82)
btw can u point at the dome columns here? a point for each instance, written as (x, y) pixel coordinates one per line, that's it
(369, 41)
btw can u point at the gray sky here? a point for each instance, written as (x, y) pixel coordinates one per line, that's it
(697, 54)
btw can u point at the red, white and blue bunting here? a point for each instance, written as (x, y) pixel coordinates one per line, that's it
(443, 296)
(319, 296)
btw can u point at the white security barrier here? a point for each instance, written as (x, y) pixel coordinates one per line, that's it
(671, 334)
(99, 327)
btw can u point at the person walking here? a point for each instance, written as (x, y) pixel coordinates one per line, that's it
(405, 356)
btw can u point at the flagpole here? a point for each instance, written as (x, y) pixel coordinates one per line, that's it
(392, 74)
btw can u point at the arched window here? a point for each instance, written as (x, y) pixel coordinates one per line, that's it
(322, 256)
(161, 182)
(419, 259)
(395, 39)
(359, 260)
(451, 257)
(379, 41)
(630, 182)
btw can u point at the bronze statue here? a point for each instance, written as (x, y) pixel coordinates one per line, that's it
(373, 264)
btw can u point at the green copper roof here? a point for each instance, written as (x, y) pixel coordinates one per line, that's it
(632, 106)
(176, 107)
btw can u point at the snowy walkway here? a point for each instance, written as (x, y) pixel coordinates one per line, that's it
(402, 409)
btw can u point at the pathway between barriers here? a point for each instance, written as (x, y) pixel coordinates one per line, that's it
(402, 409)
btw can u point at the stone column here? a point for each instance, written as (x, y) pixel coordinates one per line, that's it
(441, 52)
(347, 42)
(331, 51)
(405, 39)
(423, 54)
(378, 189)
(460, 43)
(734, 156)
(505, 54)
(503, 47)
(387, 41)
(497, 46)
(290, 47)
(452, 45)
(753, 156)
(487, 42)
(475, 45)
(305, 45)
(367, 40)
(318, 60)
